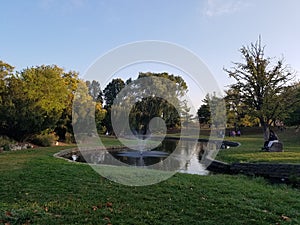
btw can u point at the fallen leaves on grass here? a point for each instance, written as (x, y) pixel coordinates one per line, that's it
(8, 213)
(285, 218)
(107, 218)
(109, 204)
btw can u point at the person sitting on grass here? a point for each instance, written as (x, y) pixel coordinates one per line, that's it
(272, 138)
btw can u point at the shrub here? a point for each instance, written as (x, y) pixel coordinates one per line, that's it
(69, 138)
(6, 147)
(44, 140)
(5, 142)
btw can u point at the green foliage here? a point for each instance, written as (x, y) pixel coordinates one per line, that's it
(86, 112)
(147, 108)
(100, 114)
(147, 105)
(164, 103)
(111, 90)
(293, 117)
(186, 116)
(95, 91)
(38, 98)
(5, 71)
(248, 121)
(69, 138)
(64, 124)
(261, 88)
(42, 97)
(34, 100)
(45, 139)
(5, 142)
(83, 113)
(42, 81)
(212, 111)
(237, 111)
(204, 114)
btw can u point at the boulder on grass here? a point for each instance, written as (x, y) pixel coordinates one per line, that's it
(276, 147)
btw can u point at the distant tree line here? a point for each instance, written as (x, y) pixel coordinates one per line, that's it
(39, 101)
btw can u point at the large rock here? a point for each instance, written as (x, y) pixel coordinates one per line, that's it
(276, 147)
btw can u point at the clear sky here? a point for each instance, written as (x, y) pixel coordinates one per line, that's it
(73, 33)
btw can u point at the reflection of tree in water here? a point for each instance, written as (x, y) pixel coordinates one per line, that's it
(198, 157)
(98, 157)
(201, 150)
(188, 156)
(93, 157)
(168, 146)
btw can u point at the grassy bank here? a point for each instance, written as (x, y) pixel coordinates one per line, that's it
(251, 143)
(37, 188)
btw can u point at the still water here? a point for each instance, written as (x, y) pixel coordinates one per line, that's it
(187, 158)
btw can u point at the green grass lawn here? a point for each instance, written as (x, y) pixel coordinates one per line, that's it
(37, 188)
(250, 149)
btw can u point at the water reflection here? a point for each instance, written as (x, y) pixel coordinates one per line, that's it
(188, 157)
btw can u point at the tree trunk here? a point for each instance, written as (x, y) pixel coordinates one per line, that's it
(266, 130)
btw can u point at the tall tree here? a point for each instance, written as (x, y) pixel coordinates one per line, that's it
(83, 113)
(156, 106)
(34, 101)
(6, 70)
(110, 92)
(212, 111)
(262, 85)
(64, 124)
(203, 114)
(186, 115)
(95, 90)
(237, 111)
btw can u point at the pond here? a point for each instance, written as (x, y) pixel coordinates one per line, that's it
(190, 153)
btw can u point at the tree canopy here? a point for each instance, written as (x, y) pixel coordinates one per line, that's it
(148, 103)
(293, 117)
(261, 85)
(212, 111)
(39, 99)
(33, 101)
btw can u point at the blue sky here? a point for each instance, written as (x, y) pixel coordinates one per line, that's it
(73, 33)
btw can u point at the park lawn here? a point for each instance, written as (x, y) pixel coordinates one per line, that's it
(37, 188)
(250, 149)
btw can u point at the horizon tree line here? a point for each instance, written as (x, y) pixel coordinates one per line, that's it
(39, 100)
